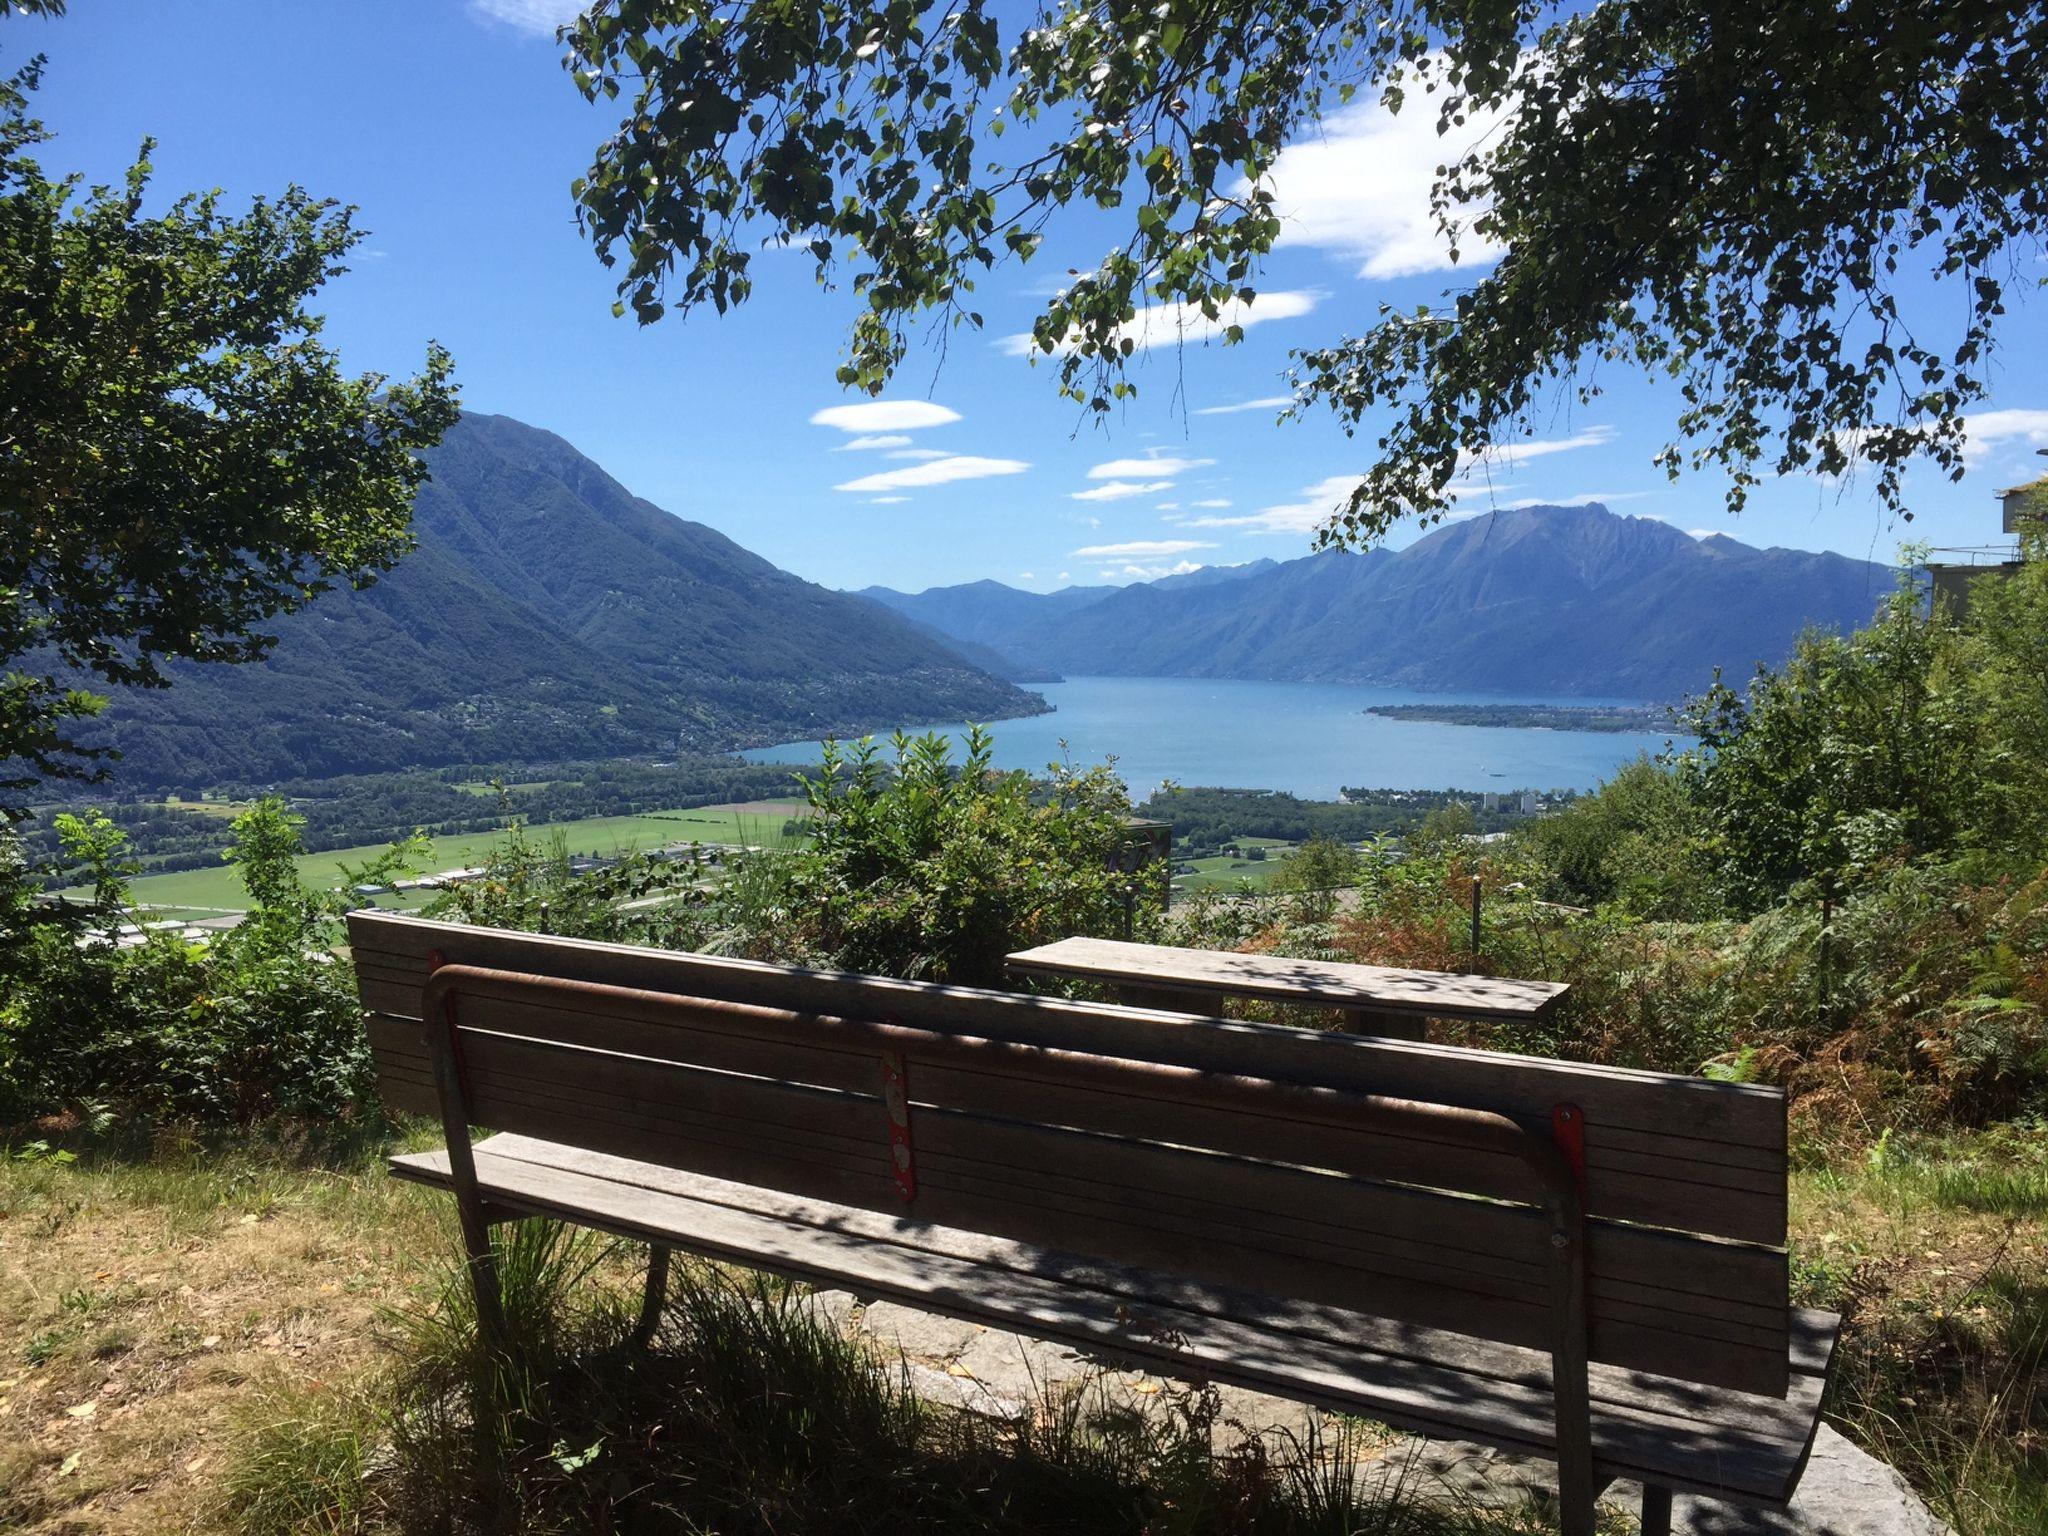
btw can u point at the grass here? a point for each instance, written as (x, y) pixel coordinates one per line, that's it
(1222, 872)
(263, 1350)
(206, 892)
(1937, 1254)
(271, 1338)
(154, 1305)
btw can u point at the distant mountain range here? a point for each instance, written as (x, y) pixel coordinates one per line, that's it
(1538, 602)
(548, 614)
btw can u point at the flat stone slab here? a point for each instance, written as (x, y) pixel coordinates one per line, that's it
(1845, 1492)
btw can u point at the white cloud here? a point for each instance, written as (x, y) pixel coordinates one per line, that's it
(1991, 430)
(915, 453)
(1521, 450)
(1026, 576)
(540, 17)
(1154, 572)
(1066, 576)
(1165, 506)
(1263, 403)
(1361, 187)
(1986, 434)
(874, 440)
(884, 416)
(1159, 464)
(1213, 501)
(1703, 533)
(1156, 325)
(1119, 490)
(935, 472)
(1317, 504)
(886, 501)
(1139, 549)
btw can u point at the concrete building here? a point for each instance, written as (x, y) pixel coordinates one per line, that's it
(2018, 506)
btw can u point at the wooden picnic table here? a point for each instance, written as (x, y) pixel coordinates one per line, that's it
(1374, 999)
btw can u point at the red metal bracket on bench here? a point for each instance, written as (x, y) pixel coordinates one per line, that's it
(896, 1100)
(1568, 1130)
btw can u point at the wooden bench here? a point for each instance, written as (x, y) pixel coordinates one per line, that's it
(1374, 999)
(1578, 1262)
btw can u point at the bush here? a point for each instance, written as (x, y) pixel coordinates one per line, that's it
(105, 1014)
(1634, 843)
(936, 872)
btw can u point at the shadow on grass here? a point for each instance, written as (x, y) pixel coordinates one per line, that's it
(752, 1411)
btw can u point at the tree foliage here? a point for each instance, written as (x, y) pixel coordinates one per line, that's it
(935, 870)
(1735, 197)
(1920, 739)
(181, 457)
(102, 1013)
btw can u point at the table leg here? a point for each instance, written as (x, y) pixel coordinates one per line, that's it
(1170, 999)
(1386, 1024)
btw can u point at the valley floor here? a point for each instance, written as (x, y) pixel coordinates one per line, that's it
(212, 891)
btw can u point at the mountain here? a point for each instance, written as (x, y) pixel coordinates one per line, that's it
(1210, 575)
(985, 612)
(1541, 601)
(548, 613)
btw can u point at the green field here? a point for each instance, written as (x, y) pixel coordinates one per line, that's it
(196, 892)
(1221, 872)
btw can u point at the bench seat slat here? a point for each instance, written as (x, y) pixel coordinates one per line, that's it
(1744, 1204)
(1664, 1144)
(1659, 1302)
(1706, 1440)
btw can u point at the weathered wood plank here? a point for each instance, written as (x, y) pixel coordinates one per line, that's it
(391, 951)
(1104, 1171)
(1284, 979)
(1745, 1447)
(1726, 1201)
(1411, 1253)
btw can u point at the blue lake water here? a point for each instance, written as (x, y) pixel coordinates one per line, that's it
(1307, 738)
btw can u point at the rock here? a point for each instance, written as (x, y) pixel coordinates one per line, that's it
(836, 1308)
(948, 1390)
(919, 1333)
(1247, 1415)
(1014, 1366)
(1845, 1492)
(1455, 1471)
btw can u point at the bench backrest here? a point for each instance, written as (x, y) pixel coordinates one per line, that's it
(1129, 1136)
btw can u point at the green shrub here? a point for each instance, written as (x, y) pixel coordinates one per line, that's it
(928, 870)
(102, 1012)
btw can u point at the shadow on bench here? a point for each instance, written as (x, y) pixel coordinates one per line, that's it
(1582, 1263)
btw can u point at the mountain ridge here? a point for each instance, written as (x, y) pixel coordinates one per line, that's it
(547, 613)
(1546, 601)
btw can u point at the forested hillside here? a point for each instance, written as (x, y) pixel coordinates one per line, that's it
(547, 614)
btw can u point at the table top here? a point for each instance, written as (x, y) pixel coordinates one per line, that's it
(1320, 983)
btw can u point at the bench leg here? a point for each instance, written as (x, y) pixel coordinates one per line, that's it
(1656, 1510)
(471, 1209)
(652, 1299)
(1577, 1489)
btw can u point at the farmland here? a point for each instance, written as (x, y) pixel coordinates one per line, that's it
(756, 823)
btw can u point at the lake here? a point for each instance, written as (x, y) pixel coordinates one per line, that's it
(1307, 738)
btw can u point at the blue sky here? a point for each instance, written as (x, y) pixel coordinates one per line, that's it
(453, 127)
